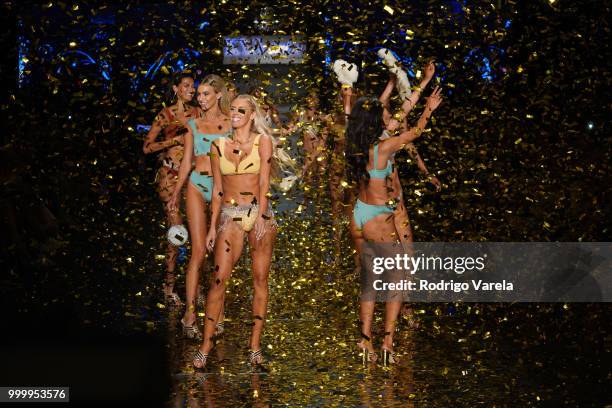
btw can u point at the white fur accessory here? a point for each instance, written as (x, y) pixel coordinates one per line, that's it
(347, 73)
(284, 168)
(286, 183)
(402, 84)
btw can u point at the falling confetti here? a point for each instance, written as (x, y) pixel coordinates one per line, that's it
(520, 146)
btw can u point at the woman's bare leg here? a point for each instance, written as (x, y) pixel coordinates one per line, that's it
(228, 248)
(381, 229)
(402, 223)
(196, 216)
(167, 182)
(261, 254)
(358, 240)
(307, 176)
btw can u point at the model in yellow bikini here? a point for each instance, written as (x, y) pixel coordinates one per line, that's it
(241, 167)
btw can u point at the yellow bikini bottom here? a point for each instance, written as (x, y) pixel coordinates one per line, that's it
(245, 216)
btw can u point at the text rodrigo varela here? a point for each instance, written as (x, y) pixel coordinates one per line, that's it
(434, 263)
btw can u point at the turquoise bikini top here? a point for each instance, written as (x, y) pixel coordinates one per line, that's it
(382, 173)
(202, 141)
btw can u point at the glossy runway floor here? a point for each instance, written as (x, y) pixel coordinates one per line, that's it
(459, 355)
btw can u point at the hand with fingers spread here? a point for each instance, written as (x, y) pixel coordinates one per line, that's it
(434, 99)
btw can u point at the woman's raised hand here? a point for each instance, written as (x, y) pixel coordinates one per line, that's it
(430, 69)
(435, 99)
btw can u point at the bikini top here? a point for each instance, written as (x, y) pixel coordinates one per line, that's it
(248, 165)
(382, 173)
(202, 141)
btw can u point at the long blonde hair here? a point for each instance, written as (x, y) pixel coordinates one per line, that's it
(282, 164)
(218, 84)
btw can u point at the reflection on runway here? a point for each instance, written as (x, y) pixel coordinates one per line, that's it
(310, 367)
(457, 355)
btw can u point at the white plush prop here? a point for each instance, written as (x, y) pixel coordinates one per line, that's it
(402, 84)
(178, 235)
(347, 73)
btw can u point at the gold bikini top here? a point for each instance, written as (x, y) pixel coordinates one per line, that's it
(248, 165)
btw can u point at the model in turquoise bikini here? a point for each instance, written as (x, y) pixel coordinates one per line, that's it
(201, 147)
(215, 123)
(369, 161)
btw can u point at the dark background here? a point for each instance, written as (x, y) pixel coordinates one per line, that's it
(521, 144)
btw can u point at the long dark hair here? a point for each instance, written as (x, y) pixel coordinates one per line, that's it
(177, 78)
(365, 125)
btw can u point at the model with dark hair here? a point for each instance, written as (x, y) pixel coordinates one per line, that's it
(396, 123)
(171, 122)
(369, 162)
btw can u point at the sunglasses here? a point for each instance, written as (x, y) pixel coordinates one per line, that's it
(241, 111)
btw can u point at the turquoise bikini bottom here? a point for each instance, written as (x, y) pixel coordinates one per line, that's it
(203, 183)
(363, 212)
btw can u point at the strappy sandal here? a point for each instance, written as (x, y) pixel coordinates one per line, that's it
(256, 357)
(367, 355)
(388, 357)
(174, 298)
(200, 357)
(191, 332)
